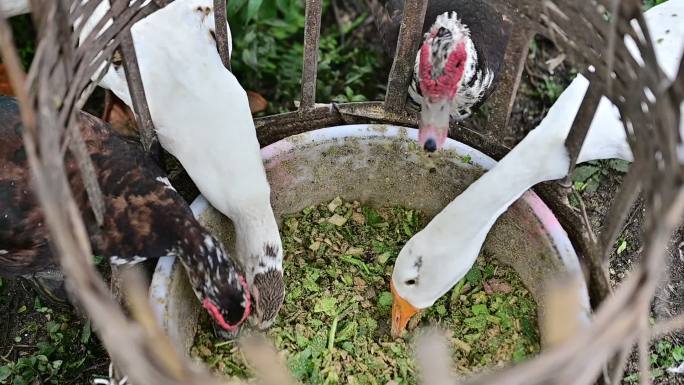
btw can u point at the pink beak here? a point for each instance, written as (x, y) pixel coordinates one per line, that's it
(431, 137)
(433, 126)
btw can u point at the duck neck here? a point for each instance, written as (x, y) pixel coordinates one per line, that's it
(258, 241)
(541, 156)
(204, 259)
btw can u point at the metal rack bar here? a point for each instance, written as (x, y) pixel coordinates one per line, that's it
(404, 59)
(312, 33)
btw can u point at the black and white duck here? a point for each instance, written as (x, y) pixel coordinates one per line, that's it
(144, 218)
(458, 64)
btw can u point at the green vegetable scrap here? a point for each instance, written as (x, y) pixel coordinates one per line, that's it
(334, 325)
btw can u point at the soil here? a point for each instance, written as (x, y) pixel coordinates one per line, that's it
(26, 334)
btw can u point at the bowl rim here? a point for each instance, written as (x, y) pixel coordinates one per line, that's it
(161, 278)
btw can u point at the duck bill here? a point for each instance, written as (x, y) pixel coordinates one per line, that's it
(433, 126)
(402, 311)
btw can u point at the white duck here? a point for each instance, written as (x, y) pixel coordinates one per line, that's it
(437, 257)
(10, 8)
(202, 117)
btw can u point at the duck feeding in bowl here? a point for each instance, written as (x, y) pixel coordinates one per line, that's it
(346, 199)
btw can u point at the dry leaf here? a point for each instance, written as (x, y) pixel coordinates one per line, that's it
(257, 103)
(494, 286)
(119, 116)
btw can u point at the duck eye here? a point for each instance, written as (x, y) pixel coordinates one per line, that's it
(410, 282)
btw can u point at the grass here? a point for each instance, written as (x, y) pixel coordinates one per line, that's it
(663, 355)
(334, 324)
(51, 346)
(588, 176)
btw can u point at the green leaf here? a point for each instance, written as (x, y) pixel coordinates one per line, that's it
(678, 353)
(478, 323)
(5, 372)
(382, 258)
(252, 8)
(480, 309)
(619, 165)
(385, 299)
(372, 216)
(348, 332)
(233, 6)
(250, 58)
(583, 173)
(85, 332)
(622, 247)
(591, 186)
(474, 276)
(327, 306)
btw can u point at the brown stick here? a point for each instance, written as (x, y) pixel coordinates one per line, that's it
(405, 56)
(312, 32)
(221, 31)
(137, 91)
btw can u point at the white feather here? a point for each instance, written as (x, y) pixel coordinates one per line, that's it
(202, 117)
(450, 243)
(11, 8)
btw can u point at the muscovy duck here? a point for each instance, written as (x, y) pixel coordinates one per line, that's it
(437, 257)
(144, 217)
(458, 63)
(202, 117)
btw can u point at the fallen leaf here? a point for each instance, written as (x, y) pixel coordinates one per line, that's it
(358, 218)
(462, 345)
(5, 87)
(257, 103)
(335, 203)
(358, 281)
(553, 63)
(314, 246)
(119, 116)
(337, 220)
(494, 286)
(354, 251)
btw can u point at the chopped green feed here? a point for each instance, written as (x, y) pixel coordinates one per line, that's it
(335, 322)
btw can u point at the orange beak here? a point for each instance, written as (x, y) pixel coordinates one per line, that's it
(402, 312)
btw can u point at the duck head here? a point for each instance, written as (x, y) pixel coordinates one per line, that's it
(261, 253)
(427, 267)
(440, 66)
(268, 288)
(217, 282)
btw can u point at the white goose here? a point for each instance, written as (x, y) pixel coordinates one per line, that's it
(437, 257)
(202, 117)
(10, 8)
